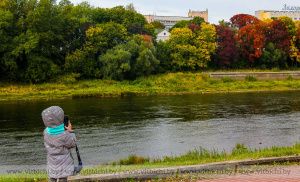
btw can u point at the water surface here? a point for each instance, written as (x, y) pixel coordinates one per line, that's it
(108, 129)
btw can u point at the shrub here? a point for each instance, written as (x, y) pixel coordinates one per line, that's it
(250, 78)
(212, 81)
(226, 79)
(133, 159)
(67, 79)
(290, 78)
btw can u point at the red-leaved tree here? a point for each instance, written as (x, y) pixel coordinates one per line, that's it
(194, 27)
(148, 40)
(251, 41)
(277, 33)
(241, 20)
(226, 52)
(298, 39)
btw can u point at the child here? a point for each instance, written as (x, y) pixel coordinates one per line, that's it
(58, 140)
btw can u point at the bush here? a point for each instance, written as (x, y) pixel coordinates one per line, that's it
(67, 79)
(212, 81)
(250, 78)
(290, 78)
(133, 159)
(226, 79)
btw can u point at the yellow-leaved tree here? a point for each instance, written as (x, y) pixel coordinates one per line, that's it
(294, 51)
(192, 48)
(292, 31)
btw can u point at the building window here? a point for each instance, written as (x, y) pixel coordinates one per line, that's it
(295, 18)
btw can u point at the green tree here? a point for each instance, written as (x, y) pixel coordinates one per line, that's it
(115, 63)
(184, 23)
(129, 61)
(158, 25)
(180, 24)
(272, 57)
(197, 21)
(130, 7)
(100, 38)
(164, 55)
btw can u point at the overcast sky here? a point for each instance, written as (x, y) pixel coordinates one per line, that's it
(217, 9)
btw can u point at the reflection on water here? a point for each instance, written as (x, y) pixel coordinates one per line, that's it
(112, 128)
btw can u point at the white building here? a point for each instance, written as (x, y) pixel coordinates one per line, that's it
(170, 21)
(163, 35)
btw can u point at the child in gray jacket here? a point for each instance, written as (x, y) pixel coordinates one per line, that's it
(58, 140)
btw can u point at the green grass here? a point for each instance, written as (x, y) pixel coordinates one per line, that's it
(197, 156)
(172, 83)
(201, 155)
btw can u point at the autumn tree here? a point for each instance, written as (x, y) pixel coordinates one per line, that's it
(241, 20)
(277, 33)
(290, 25)
(226, 53)
(251, 41)
(292, 31)
(190, 50)
(194, 27)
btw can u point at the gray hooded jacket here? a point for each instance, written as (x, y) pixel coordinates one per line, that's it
(60, 163)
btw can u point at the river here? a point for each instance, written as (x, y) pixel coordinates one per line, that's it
(108, 129)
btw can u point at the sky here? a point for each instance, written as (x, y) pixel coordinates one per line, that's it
(217, 9)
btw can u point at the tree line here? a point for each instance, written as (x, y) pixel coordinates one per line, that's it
(45, 41)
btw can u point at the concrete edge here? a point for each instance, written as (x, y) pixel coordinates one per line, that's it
(261, 76)
(173, 171)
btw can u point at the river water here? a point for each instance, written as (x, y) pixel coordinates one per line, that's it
(108, 129)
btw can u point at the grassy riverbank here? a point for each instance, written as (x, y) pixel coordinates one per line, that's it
(172, 83)
(198, 156)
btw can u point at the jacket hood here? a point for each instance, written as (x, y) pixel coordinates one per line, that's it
(53, 116)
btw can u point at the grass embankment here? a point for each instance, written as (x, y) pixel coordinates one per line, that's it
(172, 83)
(198, 156)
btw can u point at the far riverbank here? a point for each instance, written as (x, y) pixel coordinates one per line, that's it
(171, 83)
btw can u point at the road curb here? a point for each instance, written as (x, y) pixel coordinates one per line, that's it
(173, 171)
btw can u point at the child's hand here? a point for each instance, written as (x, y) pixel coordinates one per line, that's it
(69, 126)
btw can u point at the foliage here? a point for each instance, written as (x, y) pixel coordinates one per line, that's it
(115, 63)
(194, 27)
(272, 57)
(100, 38)
(226, 53)
(164, 55)
(267, 21)
(226, 79)
(294, 51)
(290, 24)
(197, 21)
(41, 40)
(250, 78)
(224, 23)
(251, 41)
(241, 20)
(158, 25)
(190, 49)
(46, 40)
(130, 60)
(277, 34)
(184, 23)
